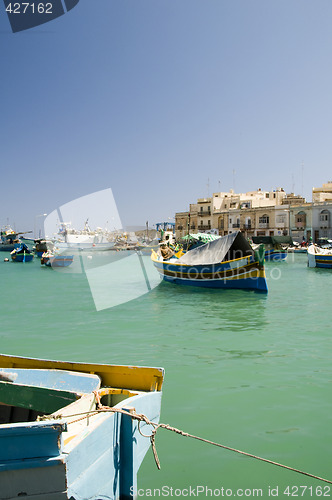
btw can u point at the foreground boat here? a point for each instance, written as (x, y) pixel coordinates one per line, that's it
(56, 445)
(22, 253)
(227, 262)
(319, 257)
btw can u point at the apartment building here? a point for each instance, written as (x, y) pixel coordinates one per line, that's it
(261, 213)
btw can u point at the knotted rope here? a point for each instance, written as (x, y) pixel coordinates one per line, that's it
(143, 418)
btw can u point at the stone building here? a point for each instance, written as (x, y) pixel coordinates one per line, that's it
(261, 213)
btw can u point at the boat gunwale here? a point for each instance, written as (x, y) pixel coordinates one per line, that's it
(141, 378)
(248, 257)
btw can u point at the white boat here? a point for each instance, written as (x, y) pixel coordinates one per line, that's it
(319, 257)
(86, 239)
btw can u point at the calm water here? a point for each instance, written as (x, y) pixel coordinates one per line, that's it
(246, 370)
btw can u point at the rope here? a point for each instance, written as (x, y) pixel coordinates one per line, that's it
(143, 418)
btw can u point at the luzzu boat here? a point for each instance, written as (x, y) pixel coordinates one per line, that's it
(319, 257)
(22, 254)
(227, 262)
(56, 440)
(275, 246)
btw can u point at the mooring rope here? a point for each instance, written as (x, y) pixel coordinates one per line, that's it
(143, 418)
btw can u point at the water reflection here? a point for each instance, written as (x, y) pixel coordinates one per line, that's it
(221, 310)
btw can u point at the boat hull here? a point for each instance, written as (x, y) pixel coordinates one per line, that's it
(28, 257)
(75, 453)
(58, 261)
(242, 273)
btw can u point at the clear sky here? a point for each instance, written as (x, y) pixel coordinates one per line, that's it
(164, 101)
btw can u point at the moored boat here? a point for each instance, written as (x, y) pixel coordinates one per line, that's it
(227, 262)
(22, 253)
(319, 257)
(275, 246)
(59, 441)
(42, 246)
(50, 259)
(9, 239)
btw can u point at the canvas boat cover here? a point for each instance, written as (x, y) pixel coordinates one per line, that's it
(273, 240)
(204, 237)
(230, 247)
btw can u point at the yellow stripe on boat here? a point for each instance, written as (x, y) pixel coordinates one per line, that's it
(117, 376)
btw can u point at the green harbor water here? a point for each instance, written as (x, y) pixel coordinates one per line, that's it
(246, 370)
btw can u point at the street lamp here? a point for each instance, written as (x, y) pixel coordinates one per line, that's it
(34, 228)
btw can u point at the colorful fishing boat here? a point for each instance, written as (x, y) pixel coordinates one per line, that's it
(227, 262)
(319, 257)
(68, 430)
(50, 259)
(275, 246)
(22, 253)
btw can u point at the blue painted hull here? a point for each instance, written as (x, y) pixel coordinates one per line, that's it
(324, 261)
(243, 273)
(28, 257)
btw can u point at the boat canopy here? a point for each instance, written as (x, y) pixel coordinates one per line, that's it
(204, 237)
(229, 247)
(272, 240)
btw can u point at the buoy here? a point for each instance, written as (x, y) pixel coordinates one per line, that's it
(6, 260)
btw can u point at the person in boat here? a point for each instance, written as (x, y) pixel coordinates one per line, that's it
(166, 252)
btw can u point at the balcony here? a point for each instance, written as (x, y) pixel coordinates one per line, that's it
(263, 225)
(237, 225)
(204, 213)
(204, 227)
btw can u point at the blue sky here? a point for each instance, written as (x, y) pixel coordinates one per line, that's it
(164, 101)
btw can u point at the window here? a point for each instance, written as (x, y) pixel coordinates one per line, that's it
(264, 219)
(324, 216)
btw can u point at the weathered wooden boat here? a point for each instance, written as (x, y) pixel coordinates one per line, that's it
(227, 262)
(275, 246)
(50, 259)
(56, 440)
(22, 253)
(319, 257)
